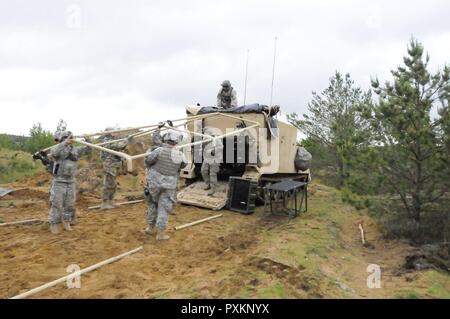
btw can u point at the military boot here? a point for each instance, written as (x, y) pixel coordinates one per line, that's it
(162, 235)
(55, 229)
(67, 226)
(107, 204)
(207, 186)
(150, 230)
(212, 190)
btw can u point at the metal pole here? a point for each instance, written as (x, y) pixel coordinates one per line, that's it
(198, 222)
(246, 76)
(119, 204)
(27, 221)
(273, 70)
(78, 273)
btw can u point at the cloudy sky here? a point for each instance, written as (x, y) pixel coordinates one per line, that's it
(98, 63)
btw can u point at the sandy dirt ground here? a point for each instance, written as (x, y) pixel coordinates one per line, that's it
(30, 255)
(313, 256)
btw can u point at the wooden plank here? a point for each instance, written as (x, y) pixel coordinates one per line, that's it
(198, 222)
(361, 229)
(119, 204)
(19, 222)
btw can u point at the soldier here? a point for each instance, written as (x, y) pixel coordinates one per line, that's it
(163, 165)
(111, 166)
(156, 136)
(212, 157)
(156, 140)
(62, 194)
(43, 154)
(226, 97)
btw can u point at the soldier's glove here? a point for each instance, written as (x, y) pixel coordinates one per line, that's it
(161, 124)
(146, 191)
(169, 122)
(36, 155)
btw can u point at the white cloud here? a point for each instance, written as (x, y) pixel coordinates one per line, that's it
(137, 62)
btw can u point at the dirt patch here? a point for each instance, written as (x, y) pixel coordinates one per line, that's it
(289, 274)
(192, 262)
(28, 193)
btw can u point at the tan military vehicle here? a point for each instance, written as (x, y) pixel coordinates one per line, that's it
(257, 147)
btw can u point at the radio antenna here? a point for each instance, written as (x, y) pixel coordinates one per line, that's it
(246, 76)
(273, 70)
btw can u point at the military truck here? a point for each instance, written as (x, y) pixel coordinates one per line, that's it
(246, 131)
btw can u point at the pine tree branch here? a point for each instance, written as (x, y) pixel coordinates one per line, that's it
(394, 186)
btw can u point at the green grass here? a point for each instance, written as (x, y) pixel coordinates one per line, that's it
(276, 291)
(407, 294)
(309, 242)
(16, 165)
(440, 284)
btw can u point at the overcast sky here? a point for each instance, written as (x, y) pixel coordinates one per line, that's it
(99, 63)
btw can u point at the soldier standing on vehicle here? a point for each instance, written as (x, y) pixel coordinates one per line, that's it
(226, 97)
(163, 165)
(212, 157)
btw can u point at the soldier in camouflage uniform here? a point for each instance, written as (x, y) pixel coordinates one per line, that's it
(226, 97)
(156, 136)
(62, 193)
(156, 140)
(163, 165)
(212, 157)
(111, 166)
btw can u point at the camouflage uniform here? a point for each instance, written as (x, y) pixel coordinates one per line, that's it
(156, 142)
(211, 163)
(226, 98)
(111, 166)
(62, 193)
(163, 165)
(156, 139)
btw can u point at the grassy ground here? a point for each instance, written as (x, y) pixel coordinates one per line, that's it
(16, 165)
(320, 254)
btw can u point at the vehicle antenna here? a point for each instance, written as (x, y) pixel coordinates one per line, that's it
(246, 77)
(273, 70)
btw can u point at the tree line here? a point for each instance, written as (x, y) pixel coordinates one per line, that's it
(387, 148)
(38, 139)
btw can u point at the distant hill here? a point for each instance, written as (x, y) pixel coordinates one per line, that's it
(10, 141)
(19, 139)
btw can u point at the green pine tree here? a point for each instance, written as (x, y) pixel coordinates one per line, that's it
(412, 162)
(334, 121)
(5, 141)
(39, 139)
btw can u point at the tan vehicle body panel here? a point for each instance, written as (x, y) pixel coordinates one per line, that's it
(271, 166)
(285, 145)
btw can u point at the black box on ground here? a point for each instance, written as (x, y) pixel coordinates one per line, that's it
(242, 195)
